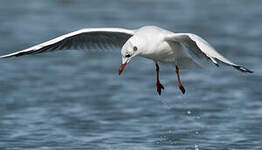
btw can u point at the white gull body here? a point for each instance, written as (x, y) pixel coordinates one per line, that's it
(150, 42)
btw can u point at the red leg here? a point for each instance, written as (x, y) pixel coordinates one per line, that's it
(179, 82)
(159, 86)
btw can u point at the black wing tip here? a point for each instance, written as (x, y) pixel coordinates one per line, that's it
(243, 69)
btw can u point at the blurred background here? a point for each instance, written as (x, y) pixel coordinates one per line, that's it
(76, 100)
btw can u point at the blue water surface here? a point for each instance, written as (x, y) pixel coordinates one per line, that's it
(76, 100)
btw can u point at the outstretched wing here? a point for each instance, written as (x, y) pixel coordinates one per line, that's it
(81, 39)
(200, 48)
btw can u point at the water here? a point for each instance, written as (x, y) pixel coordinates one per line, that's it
(76, 100)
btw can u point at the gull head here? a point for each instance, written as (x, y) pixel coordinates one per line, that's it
(130, 49)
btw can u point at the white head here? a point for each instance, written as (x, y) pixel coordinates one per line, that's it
(131, 48)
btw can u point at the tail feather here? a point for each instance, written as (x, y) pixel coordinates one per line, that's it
(187, 63)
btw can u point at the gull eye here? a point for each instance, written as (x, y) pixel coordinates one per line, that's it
(135, 48)
(128, 55)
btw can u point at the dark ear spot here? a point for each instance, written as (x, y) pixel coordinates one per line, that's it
(135, 48)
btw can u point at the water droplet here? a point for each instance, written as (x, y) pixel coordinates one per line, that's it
(196, 147)
(189, 112)
(196, 132)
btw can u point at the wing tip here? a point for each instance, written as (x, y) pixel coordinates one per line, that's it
(5, 56)
(8, 55)
(243, 69)
(17, 54)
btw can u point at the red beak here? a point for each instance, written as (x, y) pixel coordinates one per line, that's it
(122, 67)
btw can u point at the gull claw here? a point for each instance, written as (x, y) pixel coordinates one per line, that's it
(159, 86)
(182, 89)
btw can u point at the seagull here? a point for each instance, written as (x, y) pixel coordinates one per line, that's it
(155, 43)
